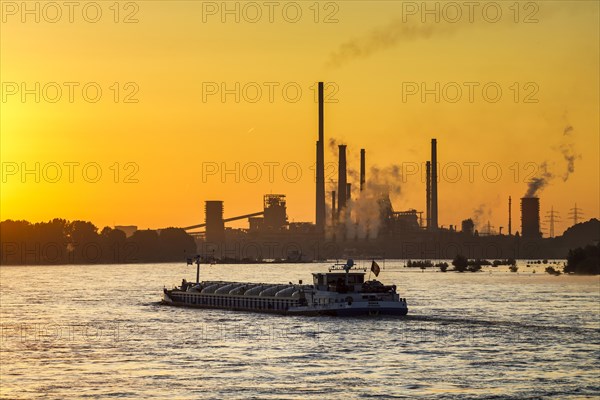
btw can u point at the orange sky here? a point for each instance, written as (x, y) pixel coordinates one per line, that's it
(151, 153)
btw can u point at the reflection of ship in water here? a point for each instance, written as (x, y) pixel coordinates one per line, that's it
(342, 291)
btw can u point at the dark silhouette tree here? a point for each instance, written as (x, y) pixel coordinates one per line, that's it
(114, 248)
(16, 237)
(145, 244)
(584, 260)
(175, 244)
(83, 243)
(460, 263)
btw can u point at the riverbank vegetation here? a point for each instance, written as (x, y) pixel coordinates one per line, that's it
(80, 242)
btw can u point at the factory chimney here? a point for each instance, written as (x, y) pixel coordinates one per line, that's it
(342, 178)
(509, 216)
(362, 169)
(434, 192)
(333, 215)
(320, 173)
(428, 194)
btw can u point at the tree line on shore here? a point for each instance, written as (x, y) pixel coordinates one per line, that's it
(80, 242)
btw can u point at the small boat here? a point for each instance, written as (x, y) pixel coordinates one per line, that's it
(342, 291)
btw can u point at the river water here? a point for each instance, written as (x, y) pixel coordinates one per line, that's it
(98, 331)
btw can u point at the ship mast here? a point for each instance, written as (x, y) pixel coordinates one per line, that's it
(345, 267)
(197, 269)
(190, 261)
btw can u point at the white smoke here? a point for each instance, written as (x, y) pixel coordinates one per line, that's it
(362, 216)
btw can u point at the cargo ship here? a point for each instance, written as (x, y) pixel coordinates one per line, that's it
(342, 291)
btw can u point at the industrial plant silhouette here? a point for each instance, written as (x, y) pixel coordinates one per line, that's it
(368, 225)
(363, 226)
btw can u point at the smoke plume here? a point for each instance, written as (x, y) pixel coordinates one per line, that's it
(333, 146)
(362, 216)
(481, 215)
(386, 37)
(567, 149)
(544, 175)
(538, 183)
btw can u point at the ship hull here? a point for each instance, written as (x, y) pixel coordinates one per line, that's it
(371, 308)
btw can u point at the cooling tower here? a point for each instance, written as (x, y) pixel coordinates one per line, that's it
(530, 217)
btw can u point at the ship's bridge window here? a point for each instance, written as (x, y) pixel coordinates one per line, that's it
(319, 279)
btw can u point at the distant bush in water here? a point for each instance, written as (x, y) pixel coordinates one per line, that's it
(584, 261)
(552, 271)
(443, 266)
(419, 264)
(508, 261)
(460, 263)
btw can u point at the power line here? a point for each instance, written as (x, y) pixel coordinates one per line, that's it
(576, 213)
(552, 217)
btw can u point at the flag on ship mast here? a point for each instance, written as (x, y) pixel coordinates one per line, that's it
(375, 268)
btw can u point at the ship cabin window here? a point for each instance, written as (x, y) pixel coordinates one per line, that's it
(320, 280)
(335, 281)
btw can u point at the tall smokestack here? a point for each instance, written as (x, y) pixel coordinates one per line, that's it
(342, 178)
(348, 191)
(434, 194)
(362, 169)
(428, 194)
(509, 216)
(333, 214)
(320, 173)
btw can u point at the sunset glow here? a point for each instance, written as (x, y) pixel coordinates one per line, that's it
(162, 122)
